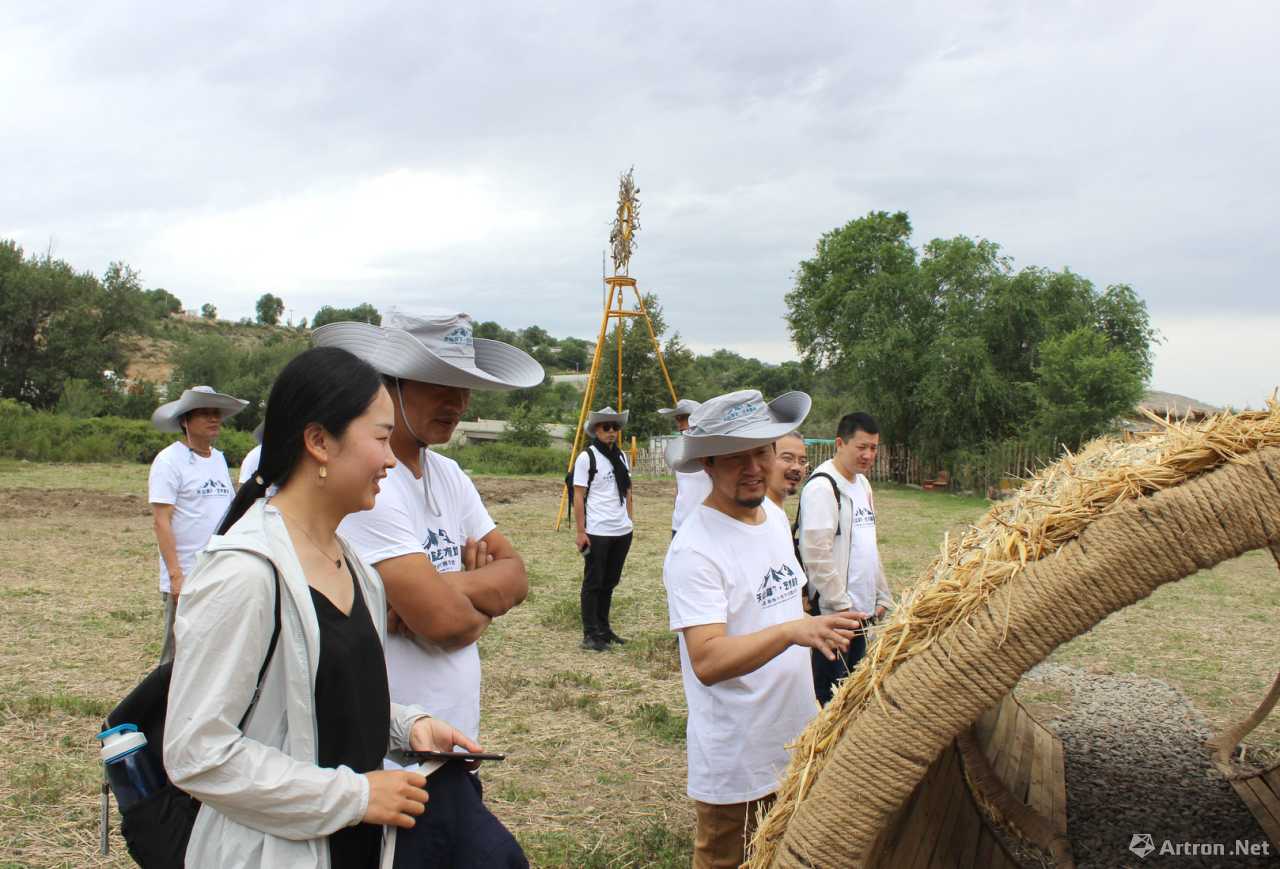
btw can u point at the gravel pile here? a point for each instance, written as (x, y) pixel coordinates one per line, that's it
(1135, 765)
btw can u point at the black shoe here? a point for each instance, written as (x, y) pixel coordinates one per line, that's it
(595, 644)
(611, 637)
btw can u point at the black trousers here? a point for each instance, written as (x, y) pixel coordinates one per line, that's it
(601, 573)
(827, 673)
(458, 831)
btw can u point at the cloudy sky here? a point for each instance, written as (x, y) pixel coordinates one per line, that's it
(467, 154)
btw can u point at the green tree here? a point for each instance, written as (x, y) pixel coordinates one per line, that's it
(161, 303)
(524, 427)
(363, 313)
(208, 311)
(57, 324)
(270, 308)
(954, 349)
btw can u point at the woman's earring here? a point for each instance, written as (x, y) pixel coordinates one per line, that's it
(324, 472)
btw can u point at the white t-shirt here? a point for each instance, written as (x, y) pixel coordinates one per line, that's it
(249, 466)
(606, 514)
(722, 571)
(691, 490)
(200, 491)
(445, 683)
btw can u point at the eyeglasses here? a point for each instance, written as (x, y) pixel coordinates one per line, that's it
(609, 426)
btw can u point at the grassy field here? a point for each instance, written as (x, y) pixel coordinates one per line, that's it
(595, 775)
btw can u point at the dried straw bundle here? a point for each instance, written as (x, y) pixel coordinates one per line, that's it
(1050, 510)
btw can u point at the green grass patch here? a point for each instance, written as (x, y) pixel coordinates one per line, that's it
(659, 649)
(41, 705)
(572, 678)
(560, 612)
(20, 593)
(654, 846)
(656, 720)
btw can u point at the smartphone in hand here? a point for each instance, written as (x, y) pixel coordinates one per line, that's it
(452, 755)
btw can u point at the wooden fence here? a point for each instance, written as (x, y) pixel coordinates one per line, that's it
(995, 469)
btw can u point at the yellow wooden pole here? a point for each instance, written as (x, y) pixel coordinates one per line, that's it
(587, 394)
(618, 332)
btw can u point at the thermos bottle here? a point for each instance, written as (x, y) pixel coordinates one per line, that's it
(131, 770)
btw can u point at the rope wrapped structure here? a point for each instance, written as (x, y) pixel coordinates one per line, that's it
(1089, 535)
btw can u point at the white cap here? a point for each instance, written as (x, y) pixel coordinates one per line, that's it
(121, 740)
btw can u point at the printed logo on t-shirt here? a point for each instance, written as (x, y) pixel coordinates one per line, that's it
(864, 517)
(213, 489)
(445, 554)
(780, 584)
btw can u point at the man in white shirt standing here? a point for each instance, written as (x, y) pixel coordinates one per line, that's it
(605, 515)
(837, 535)
(447, 569)
(691, 489)
(189, 489)
(734, 595)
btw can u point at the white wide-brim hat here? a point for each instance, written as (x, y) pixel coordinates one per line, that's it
(733, 423)
(604, 414)
(438, 349)
(684, 407)
(167, 415)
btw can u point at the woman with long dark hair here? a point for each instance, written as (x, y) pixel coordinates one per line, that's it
(302, 783)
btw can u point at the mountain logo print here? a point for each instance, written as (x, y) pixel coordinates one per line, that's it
(780, 584)
(445, 554)
(213, 489)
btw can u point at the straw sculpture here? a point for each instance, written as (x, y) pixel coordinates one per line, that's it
(1091, 534)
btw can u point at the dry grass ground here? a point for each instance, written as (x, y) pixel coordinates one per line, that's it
(595, 775)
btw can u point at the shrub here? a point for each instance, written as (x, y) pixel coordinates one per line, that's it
(51, 437)
(508, 458)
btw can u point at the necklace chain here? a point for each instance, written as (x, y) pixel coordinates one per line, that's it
(337, 562)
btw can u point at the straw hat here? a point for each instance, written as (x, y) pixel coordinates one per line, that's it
(168, 414)
(735, 422)
(604, 414)
(684, 407)
(437, 348)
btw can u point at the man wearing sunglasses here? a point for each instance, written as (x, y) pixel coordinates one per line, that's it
(604, 513)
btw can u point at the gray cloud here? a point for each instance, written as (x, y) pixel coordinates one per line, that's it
(1132, 142)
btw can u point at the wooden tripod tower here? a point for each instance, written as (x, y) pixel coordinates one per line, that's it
(622, 242)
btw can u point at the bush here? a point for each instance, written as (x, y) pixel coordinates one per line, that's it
(508, 458)
(51, 437)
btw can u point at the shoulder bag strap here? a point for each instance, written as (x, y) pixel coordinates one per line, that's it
(271, 650)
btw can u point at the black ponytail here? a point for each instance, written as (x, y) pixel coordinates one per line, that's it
(324, 385)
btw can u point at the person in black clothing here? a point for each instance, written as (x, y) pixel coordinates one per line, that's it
(605, 515)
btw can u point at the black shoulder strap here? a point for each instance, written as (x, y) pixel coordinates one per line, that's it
(835, 490)
(271, 650)
(591, 471)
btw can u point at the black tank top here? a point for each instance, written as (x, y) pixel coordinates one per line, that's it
(353, 712)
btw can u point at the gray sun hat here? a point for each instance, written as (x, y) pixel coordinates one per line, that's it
(684, 407)
(604, 414)
(435, 348)
(733, 423)
(167, 415)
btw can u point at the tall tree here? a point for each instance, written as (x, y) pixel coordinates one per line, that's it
(954, 349)
(57, 324)
(270, 307)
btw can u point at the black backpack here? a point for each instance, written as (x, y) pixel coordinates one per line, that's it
(795, 526)
(156, 829)
(591, 475)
